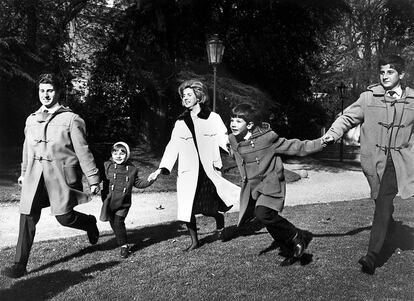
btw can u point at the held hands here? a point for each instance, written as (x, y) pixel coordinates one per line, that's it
(154, 175)
(327, 140)
(95, 189)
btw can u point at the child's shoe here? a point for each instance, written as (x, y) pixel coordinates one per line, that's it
(298, 245)
(300, 242)
(124, 251)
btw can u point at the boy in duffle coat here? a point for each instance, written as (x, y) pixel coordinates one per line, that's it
(257, 151)
(386, 115)
(55, 154)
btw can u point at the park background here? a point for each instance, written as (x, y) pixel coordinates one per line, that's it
(301, 61)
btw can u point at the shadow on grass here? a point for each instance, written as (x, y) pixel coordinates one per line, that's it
(352, 232)
(139, 238)
(401, 237)
(78, 254)
(49, 285)
(153, 234)
(248, 229)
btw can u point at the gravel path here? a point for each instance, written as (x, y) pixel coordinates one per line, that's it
(325, 183)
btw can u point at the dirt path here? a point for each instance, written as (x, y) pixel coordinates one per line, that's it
(324, 184)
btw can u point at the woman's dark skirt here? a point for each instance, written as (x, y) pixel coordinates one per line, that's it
(206, 199)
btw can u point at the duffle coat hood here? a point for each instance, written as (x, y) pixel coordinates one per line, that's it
(55, 146)
(387, 127)
(261, 167)
(211, 134)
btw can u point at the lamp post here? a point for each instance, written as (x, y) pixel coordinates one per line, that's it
(215, 51)
(341, 89)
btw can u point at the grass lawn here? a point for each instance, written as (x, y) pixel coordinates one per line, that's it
(244, 267)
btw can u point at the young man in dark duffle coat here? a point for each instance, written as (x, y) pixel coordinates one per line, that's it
(386, 115)
(55, 154)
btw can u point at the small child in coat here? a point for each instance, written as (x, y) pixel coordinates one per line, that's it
(120, 176)
(257, 151)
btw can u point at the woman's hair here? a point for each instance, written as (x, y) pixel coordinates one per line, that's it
(396, 62)
(52, 79)
(199, 88)
(247, 112)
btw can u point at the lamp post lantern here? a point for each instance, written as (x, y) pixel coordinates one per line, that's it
(341, 89)
(215, 51)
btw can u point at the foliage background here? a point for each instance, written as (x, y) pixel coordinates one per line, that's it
(123, 62)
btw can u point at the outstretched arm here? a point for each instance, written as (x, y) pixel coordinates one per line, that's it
(297, 147)
(353, 115)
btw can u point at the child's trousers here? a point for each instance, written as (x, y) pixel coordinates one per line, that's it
(118, 226)
(278, 227)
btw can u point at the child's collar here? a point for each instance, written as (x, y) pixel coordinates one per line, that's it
(248, 135)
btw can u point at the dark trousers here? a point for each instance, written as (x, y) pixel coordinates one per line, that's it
(27, 230)
(384, 208)
(118, 226)
(278, 227)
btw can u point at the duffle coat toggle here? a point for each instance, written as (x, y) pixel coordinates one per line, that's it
(117, 187)
(116, 176)
(392, 125)
(40, 140)
(40, 158)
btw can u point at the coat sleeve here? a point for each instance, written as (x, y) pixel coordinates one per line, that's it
(297, 147)
(141, 183)
(223, 138)
(80, 145)
(171, 151)
(105, 182)
(24, 158)
(353, 115)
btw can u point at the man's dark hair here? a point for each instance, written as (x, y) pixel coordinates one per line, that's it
(52, 79)
(247, 112)
(396, 62)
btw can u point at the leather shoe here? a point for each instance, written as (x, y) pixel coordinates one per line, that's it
(124, 251)
(368, 265)
(299, 245)
(16, 270)
(93, 232)
(220, 222)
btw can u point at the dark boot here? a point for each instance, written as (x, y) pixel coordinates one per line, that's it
(16, 270)
(367, 263)
(219, 221)
(124, 251)
(93, 232)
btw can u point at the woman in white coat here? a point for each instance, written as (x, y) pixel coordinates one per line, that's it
(196, 139)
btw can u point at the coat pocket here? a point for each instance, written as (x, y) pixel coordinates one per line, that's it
(73, 176)
(271, 185)
(367, 165)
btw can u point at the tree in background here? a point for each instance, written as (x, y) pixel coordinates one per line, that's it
(33, 39)
(156, 42)
(133, 55)
(369, 29)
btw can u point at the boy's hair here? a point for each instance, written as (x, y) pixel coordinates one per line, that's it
(52, 79)
(199, 88)
(123, 147)
(396, 62)
(247, 112)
